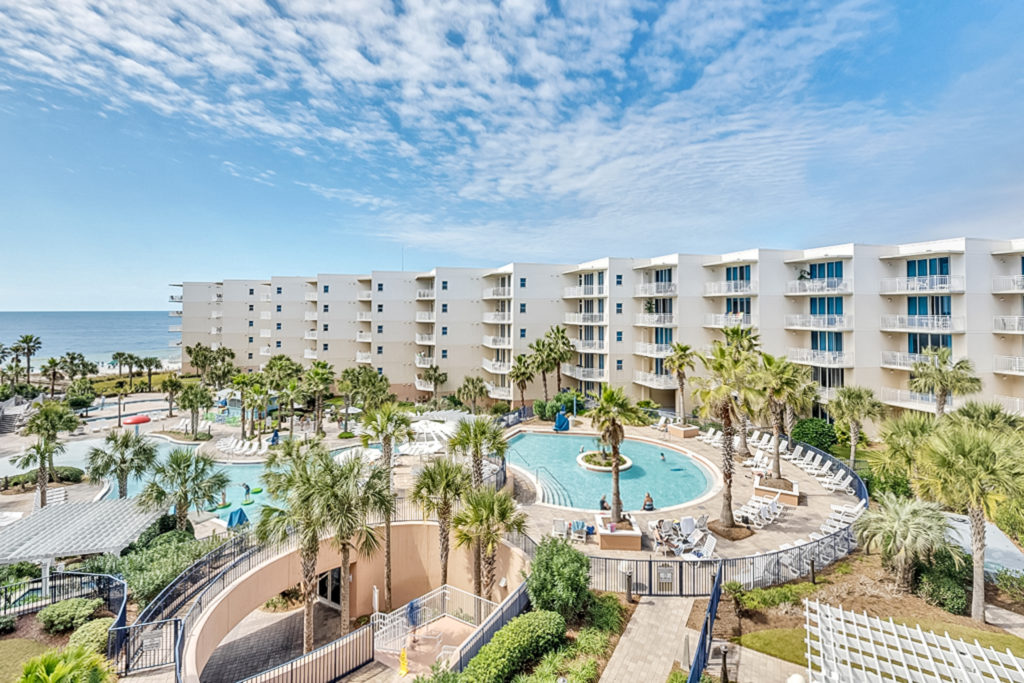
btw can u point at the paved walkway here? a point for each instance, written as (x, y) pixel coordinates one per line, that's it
(1011, 622)
(654, 638)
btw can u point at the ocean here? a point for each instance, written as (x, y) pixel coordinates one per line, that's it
(94, 334)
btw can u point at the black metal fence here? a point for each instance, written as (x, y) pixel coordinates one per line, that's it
(516, 416)
(700, 657)
(326, 664)
(511, 607)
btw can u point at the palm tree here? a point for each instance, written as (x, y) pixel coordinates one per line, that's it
(938, 375)
(438, 488)
(904, 437)
(39, 455)
(259, 400)
(972, 469)
(291, 393)
(744, 344)
(119, 357)
(171, 386)
(52, 368)
(241, 382)
(280, 370)
(346, 389)
(150, 363)
(132, 361)
(906, 530)
(200, 357)
(126, 455)
(472, 390)
(47, 422)
(294, 479)
(683, 357)
(802, 402)
(70, 665)
(5, 353)
(853, 405)
(194, 398)
(777, 380)
(521, 374)
(121, 391)
(14, 370)
(437, 378)
(542, 360)
(484, 520)
(184, 480)
(29, 344)
(387, 424)
(988, 416)
(610, 416)
(476, 438)
(318, 380)
(561, 350)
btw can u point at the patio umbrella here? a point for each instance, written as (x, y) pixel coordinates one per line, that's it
(368, 454)
(351, 410)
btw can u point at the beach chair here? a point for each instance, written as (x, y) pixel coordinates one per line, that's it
(661, 425)
(850, 509)
(795, 455)
(706, 551)
(708, 436)
(813, 465)
(578, 531)
(755, 436)
(824, 468)
(559, 528)
(843, 485)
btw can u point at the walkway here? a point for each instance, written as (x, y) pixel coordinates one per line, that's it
(654, 639)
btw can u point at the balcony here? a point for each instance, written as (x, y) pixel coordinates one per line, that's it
(265, 334)
(899, 360)
(174, 314)
(652, 350)
(496, 367)
(655, 380)
(497, 342)
(1011, 404)
(216, 315)
(264, 315)
(730, 287)
(585, 319)
(590, 345)
(265, 298)
(826, 394)
(1007, 284)
(924, 284)
(216, 298)
(655, 319)
(824, 285)
(922, 323)
(1009, 365)
(175, 298)
(265, 351)
(423, 385)
(363, 337)
(912, 400)
(425, 294)
(497, 293)
(174, 328)
(499, 393)
(310, 296)
(309, 334)
(729, 320)
(423, 361)
(498, 317)
(216, 330)
(584, 374)
(426, 317)
(309, 354)
(1014, 324)
(819, 322)
(310, 316)
(364, 316)
(425, 339)
(821, 359)
(655, 289)
(363, 357)
(584, 291)
(365, 295)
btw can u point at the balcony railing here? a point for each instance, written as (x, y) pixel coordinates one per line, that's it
(363, 357)
(499, 393)
(826, 394)
(216, 298)
(216, 330)
(423, 361)
(823, 285)
(363, 337)
(265, 351)
(901, 360)
(497, 293)
(585, 318)
(655, 319)
(655, 380)
(730, 287)
(175, 298)
(310, 316)
(1010, 365)
(425, 293)
(1008, 323)
(216, 315)
(425, 339)
(364, 316)
(584, 291)
(729, 320)
(174, 328)
(652, 350)
(590, 345)
(309, 354)
(264, 315)
(498, 317)
(824, 359)
(265, 334)
(655, 289)
(426, 317)
(311, 296)
(1011, 404)
(819, 322)
(265, 298)
(496, 366)
(497, 342)
(309, 334)
(914, 400)
(1006, 283)
(926, 283)
(423, 385)
(174, 314)
(584, 374)
(365, 295)
(923, 323)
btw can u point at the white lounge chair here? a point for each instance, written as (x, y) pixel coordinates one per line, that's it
(559, 528)
(815, 463)
(824, 468)
(706, 551)
(578, 531)
(850, 509)
(843, 485)
(795, 455)
(661, 425)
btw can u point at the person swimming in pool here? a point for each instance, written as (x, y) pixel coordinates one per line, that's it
(663, 457)
(648, 502)
(604, 503)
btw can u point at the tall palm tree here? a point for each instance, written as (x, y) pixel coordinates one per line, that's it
(294, 479)
(133, 362)
(475, 438)
(39, 455)
(200, 357)
(853, 405)
(682, 358)
(241, 383)
(437, 489)
(194, 398)
(610, 416)
(125, 455)
(906, 530)
(346, 389)
(29, 344)
(258, 400)
(542, 360)
(744, 344)
(121, 391)
(973, 469)
(5, 353)
(472, 390)
(15, 370)
(904, 437)
(387, 425)
(171, 386)
(521, 374)
(484, 520)
(184, 480)
(436, 377)
(317, 381)
(150, 363)
(280, 370)
(291, 393)
(937, 374)
(561, 350)
(802, 402)
(988, 416)
(118, 357)
(777, 380)
(52, 369)
(47, 422)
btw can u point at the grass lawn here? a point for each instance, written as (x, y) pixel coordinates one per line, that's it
(13, 653)
(106, 384)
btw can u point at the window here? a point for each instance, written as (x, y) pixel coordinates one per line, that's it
(618, 364)
(278, 325)
(928, 266)
(279, 308)
(250, 356)
(444, 308)
(380, 308)
(444, 353)
(737, 306)
(278, 290)
(444, 285)
(327, 308)
(737, 273)
(444, 331)
(325, 327)
(250, 340)
(618, 335)
(251, 292)
(618, 280)
(618, 308)
(380, 286)
(380, 329)
(250, 307)
(829, 270)
(522, 333)
(380, 371)
(327, 289)
(277, 344)
(380, 350)
(522, 308)
(250, 323)
(522, 283)
(325, 346)
(826, 305)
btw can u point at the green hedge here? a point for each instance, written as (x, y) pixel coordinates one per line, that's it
(815, 432)
(72, 475)
(7, 623)
(92, 635)
(943, 582)
(515, 646)
(67, 615)
(559, 578)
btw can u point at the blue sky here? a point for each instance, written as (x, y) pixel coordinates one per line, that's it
(143, 144)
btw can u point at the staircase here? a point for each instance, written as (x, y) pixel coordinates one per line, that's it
(8, 423)
(551, 490)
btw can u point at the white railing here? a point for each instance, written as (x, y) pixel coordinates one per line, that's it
(309, 334)
(655, 380)
(265, 351)
(363, 357)
(425, 294)
(265, 334)
(174, 314)
(586, 374)
(1011, 404)
(901, 360)
(1008, 283)
(364, 316)
(655, 319)
(820, 322)
(499, 393)
(593, 345)
(496, 366)
(426, 317)
(497, 293)
(363, 337)
(1008, 323)
(425, 339)
(391, 630)
(265, 298)
(652, 350)
(498, 317)
(216, 298)
(926, 283)
(915, 400)
(655, 289)
(175, 298)
(585, 318)
(730, 287)
(728, 320)
(174, 328)
(365, 295)
(423, 385)
(822, 285)
(309, 354)
(1013, 365)
(497, 342)
(424, 361)
(926, 323)
(216, 315)
(216, 330)
(310, 316)
(583, 291)
(826, 394)
(827, 359)
(264, 315)
(310, 296)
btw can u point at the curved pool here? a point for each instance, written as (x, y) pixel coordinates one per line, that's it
(551, 460)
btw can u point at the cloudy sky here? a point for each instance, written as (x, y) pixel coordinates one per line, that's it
(147, 143)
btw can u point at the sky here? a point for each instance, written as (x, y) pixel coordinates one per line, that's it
(143, 144)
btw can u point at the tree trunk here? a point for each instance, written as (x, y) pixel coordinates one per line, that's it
(558, 381)
(776, 438)
(489, 562)
(195, 423)
(977, 517)
(443, 526)
(744, 450)
(790, 419)
(522, 397)
(477, 569)
(348, 404)
(544, 380)
(41, 483)
(345, 586)
(118, 412)
(241, 398)
(122, 485)
(478, 469)
(170, 406)
(616, 501)
(854, 438)
(725, 517)
(53, 381)
(940, 403)
(308, 561)
(180, 515)
(319, 418)
(291, 426)
(681, 401)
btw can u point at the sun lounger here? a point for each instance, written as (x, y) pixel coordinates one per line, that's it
(578, 531)
(815, 464)
(706, 551)
(796, 455)
(559, 528)
(850, 509)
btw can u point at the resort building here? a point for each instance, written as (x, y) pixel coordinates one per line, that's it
(856, 314)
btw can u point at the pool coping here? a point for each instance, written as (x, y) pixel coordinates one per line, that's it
(717, 483)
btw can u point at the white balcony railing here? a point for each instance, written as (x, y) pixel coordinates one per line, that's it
(216, 315)
(496, 366)
(174, 328)
(1008, 323)
(424, 361)
(1011, 404)
(265, 298)
(923, 323)
(499, 393)
(425, 339)
(311, 296)
(174, 314)
(425, 293)
(265, 334)
(652, 350)
(826, 394)
(498, 317)
(309, 354)
(216, 330)
(819, 322)
(310, 316)
(900, 360)
(655, 380)
(904, 398)
(423, 385)
(175, 298)
(1010, 365)
(216, 298)
(363, 357)
(264, 315)
(364, 316)
(655, 289)
(823, 285)
(426, 317)
(365, 295)
(655, 319)
(309, 334)
(590, 345)
(497, 342)
(363, 337)
(584, 374)
(1006, 283)
(497, 293)
(730, 287)
(824, 359)
(265, 351)
(585, 318)
(729, 320)
(584, 291)
(926, 283)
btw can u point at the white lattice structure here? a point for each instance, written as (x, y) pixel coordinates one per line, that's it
(844, 646)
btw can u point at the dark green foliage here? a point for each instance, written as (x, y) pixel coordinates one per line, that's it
(158, 528)
(67, 615)
(898, 486)
(499, 409)
(606, 613)
(583, 671)
(816, 432)
(763, 598)
(20, 389)
(92, 635)
(1010, 518)
(172, 536)
(943, 582)
(559, 578)
(7, 623)
(520, 642)
(1011, 583)
(592, 641)
(71, 475)
(18, 572)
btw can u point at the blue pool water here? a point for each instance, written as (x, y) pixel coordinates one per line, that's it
(552, 459)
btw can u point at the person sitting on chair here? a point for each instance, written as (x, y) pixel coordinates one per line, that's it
(604, 503)
(648, 502)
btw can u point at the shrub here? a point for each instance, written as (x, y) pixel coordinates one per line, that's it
(1011, 583)
(559, 578)
(7, 623)
(606, 613)
(67, 615)
(438, 674)
(516, 645)
(499, 409)
(816, 432)
(71, 475)
(158, 528)
(18, 572)
(764, 598)
(591, 641)
(583, 671)
(346, 435)
(1010, 518)
(92, 635)
(172, 536)
(69, 664)
(942, 582)
(540, 409)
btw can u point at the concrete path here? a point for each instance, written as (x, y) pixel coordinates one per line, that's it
(654, 638)
(1011, 622)
(752, 666)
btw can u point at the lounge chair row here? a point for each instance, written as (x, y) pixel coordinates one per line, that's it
(574, 531)
(689, 540)
(235, 446)
(760, 511)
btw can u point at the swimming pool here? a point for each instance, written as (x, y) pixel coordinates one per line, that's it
(551, 459)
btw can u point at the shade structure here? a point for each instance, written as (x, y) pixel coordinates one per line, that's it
(136, 420)
(367, 454)
(351, 410)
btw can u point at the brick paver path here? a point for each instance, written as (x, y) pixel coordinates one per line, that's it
(653, 640)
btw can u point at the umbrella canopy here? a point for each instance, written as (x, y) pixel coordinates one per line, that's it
(351, 410)
(136, 420)
(368, 454)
